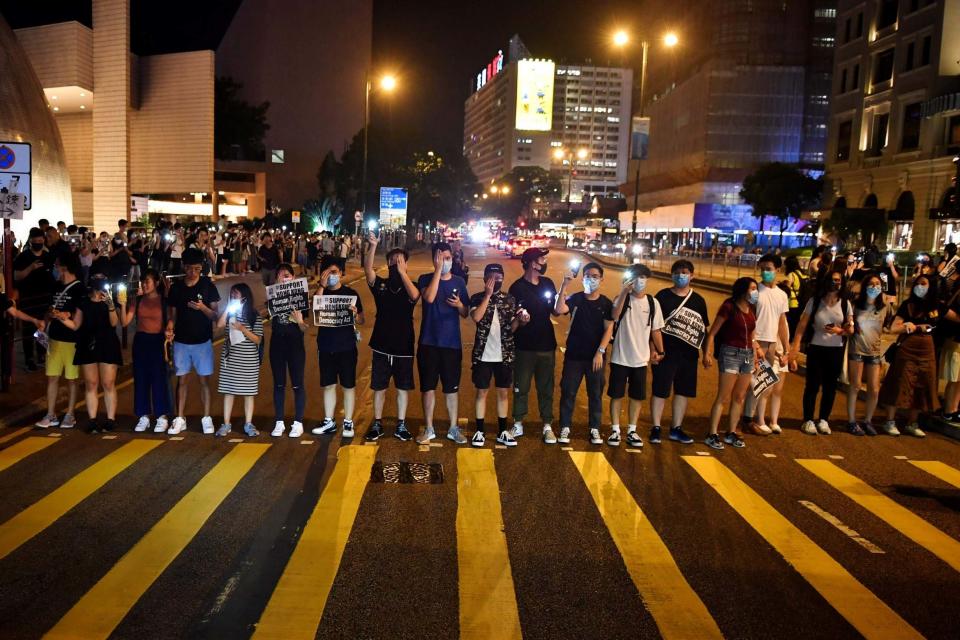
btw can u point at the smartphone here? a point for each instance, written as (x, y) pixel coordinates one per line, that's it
(928, 330)
(575, 267)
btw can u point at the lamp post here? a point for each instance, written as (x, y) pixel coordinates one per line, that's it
(621, 39)
(567, 154)
(387, 83)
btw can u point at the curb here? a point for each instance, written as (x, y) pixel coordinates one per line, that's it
(710, 285)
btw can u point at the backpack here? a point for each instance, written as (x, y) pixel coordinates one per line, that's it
(808, 287)
(808, 333)
(623, 312)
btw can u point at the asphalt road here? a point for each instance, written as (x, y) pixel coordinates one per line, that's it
(795, 536)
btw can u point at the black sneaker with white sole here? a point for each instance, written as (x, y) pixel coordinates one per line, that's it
(634, 439)
(654, 435)
(375, 431)
(713, 441)
(401, 433)
(325, 428)
(507, 439)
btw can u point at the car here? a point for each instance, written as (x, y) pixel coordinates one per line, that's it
(518, 246)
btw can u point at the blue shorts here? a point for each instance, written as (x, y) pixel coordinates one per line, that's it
(198, 357)
(734, 360)
(856, 357)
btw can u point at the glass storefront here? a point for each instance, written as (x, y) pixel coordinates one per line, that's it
(901, 235)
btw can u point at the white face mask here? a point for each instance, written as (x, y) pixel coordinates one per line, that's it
(640, 285)
(446, 267)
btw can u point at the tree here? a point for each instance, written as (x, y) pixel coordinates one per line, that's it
(438, 190)
(239, 127)
(847, 224)
(781, 191)
(526, 183)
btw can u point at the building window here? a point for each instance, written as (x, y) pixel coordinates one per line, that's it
(843, 81)
(883, 66)
(925, 51)
(953, 132)
(846, 31)
(912, 117)
(860, 25)
(844, 132)
(855, 78)
(276, 156)
(887, 14)
(823, 41)
(908, 60)
(878, 140)
(825, 13)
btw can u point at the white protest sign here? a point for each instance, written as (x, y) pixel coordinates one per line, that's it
(285, 297)
(333, 311)
(686, 325)
(950, 268)
(764, 377)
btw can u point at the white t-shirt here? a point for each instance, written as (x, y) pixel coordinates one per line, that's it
(493, 350)
(631, 345)
(773, 303)
(827, 315)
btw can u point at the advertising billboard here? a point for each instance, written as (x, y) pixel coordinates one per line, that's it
(535, 95)
(639, 138)
(393, 206)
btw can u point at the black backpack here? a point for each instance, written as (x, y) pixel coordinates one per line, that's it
(808, 333)
(623, 312)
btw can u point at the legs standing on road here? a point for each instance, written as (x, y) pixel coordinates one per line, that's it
(544, 378)
(523, 366)
(149, 375)
(824, 365)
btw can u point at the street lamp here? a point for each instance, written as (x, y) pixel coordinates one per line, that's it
(387, 83)
(620, 40)
(562, 154)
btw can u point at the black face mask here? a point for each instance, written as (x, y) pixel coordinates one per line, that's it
(36, 246)
(394, 274)
(497, 285)
(542, 268)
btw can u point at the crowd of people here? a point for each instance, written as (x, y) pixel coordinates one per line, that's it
(835, 310)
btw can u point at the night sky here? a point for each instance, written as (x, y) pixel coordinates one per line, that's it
(434, 46)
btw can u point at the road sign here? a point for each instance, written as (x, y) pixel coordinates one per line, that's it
(295, 216)
(393, 206)
(11, 206)
(15, 167)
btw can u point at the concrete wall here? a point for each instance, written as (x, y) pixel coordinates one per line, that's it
(61, 54)
(77, 133)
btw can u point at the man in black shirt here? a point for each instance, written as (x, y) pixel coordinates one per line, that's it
(33, 279)
(685, 327)
(591, 328)
(192, 304)
(536, 343)
(268, 255)
(392, 339)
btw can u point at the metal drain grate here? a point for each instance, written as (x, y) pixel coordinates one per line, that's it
(407, 472)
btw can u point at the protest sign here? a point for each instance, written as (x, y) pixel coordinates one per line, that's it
(333, 311)
(284, 297)
(687, 325)
(950, 268)
(764, 377)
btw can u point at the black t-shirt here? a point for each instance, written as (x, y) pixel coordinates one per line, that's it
(68, 298)
(669, 301)
(36, 289)
(192, 326)
(586, 325)
(393, 328)
(59, 249)
(338, 339)
(538, 299)
(269, 258)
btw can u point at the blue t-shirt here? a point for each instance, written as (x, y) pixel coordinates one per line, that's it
(440, 326)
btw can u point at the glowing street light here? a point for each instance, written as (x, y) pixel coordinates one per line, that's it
(494, 189)
(670, 39)
(388, 82)
(621, 38)
(505, 190)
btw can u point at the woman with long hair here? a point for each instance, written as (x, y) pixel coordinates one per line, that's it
(151, 387)
(911, 382)
(240, 357)
(830, 319)
(865, 352)
(287, 354)
(738, 354)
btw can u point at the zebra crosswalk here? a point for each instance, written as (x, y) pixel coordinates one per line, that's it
(488, 602)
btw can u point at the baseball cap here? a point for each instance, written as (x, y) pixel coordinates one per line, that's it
(532, 254)
(493, 267)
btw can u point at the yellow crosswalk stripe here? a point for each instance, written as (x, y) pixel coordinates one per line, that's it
(102, 608)
(40, 515)
(936, 468)
(14, 434)
(868, 614)
(900, 518)
(297, 603)
(651, 566)
(17, 452)
(488, 603)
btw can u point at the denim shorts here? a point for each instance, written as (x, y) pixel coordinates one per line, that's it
(193, 356)
(856, 357)
(734, 360)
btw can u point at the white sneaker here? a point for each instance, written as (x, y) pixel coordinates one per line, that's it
(278, 429)
(142, 424)
(517, 430)
(548, 436)
(161, 425)
(347, 429)
(49, 420)
(426, 435)
(68, 422)
(478, 440)
(179, 424)
(505, 438)
(890, 428)
(809, 428)
(824, 428)
(564, 435)
(296, 430)
(207, 423)
(913, 429)
(775, 428)
(595, 436)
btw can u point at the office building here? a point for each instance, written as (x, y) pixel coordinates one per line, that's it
(895, 117)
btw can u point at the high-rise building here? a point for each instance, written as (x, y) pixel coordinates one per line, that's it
(522, 110)
(895, 117)
(748, 84)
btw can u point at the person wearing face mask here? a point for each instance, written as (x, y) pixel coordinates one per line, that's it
(865, 352)
(287, 355)
(639, 321)
(731, 341)
(391, 342)
(440, 349)
(497, 317)
(268, 257)
(911, 381)
(773, 334)
(34, 281)
(240, 357)
(535, 341)
(829, 318)
(591, 329)
(685, 326)
(337, 352)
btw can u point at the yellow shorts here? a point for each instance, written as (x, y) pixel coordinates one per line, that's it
(60, 360)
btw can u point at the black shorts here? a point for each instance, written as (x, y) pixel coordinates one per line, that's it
(383, 367)
(339, 366)
(620, 375)
(678, 373)
(438, 364)
(501, 372)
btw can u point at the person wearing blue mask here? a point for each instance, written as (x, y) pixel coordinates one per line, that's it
(684, 332)
(639, 322)
(865, 352)
(591, 329)
(738, 353)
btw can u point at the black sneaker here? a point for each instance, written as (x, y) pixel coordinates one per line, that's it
(869, 429)
(713, 441)
(654, 435)
(952, 418)
(109, 425)
(92, 427)
(734, 440)
(855, 429)
(677, 435)
(401, 433)
(375, 431)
